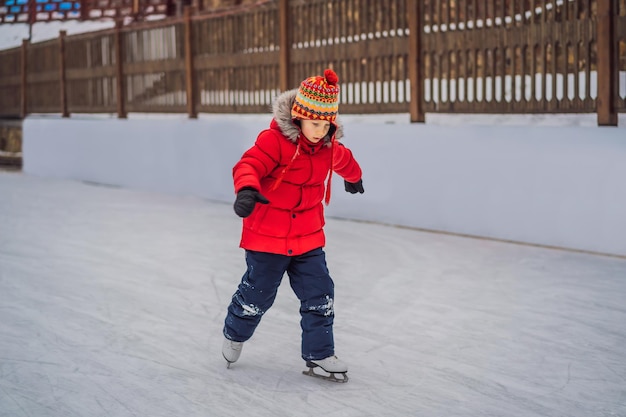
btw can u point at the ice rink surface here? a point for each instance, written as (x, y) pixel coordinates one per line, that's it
(112, 303)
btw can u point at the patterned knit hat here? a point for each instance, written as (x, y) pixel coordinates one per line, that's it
(317, 98)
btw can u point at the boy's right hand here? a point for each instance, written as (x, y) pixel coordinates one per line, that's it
(246, 200)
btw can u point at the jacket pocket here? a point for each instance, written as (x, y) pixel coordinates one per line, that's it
(269, 221)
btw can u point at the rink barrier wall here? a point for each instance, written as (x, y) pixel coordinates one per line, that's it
(555, 186)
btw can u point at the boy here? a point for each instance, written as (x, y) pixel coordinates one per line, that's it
(280, 187)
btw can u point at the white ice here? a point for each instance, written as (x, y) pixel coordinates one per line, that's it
(112, 302)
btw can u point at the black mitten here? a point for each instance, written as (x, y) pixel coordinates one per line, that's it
(246, 200)
(354, 187)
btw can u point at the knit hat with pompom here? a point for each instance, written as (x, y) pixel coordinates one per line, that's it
(317, 98)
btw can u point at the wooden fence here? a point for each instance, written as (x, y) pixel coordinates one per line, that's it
(396, 56)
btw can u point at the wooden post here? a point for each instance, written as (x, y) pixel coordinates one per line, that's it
(416, 71)
(119, 73)
(24, 90)
(285, 45)
(32, 17)
(189, 68)
(607, 82)
(62, 80)
(84, 10)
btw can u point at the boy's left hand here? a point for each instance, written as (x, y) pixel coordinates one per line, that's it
(354, 187)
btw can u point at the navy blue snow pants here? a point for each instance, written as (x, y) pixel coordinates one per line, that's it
(310, 281)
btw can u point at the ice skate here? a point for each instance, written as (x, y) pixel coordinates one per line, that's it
(330, 369)
(231, 351)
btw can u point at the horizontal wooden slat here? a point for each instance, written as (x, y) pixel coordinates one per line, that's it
(346, 51)
(9, 81)
(92, 109)
(89, 73)
(153, 67)
(156, 109)
(206, 62)
(374, 108)
(43, 77)
(233, 109)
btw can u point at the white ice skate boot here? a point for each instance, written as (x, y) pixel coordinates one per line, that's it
(231, 351)
(332, 365)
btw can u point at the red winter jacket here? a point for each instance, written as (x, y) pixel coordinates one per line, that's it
(291, 172)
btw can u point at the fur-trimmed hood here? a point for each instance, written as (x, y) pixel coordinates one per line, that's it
(281, 109)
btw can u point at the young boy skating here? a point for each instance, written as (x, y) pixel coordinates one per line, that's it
(281, 183)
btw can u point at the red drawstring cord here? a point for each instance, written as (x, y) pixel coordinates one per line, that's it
(282, 173)
(330, 174)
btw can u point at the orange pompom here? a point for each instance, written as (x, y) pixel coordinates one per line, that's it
(331, 77)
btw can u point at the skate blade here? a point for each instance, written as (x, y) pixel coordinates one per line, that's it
(228, 363)
(331, 376)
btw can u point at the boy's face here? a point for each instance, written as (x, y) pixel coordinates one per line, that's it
(315, 130)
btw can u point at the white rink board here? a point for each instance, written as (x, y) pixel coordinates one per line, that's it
(540, 180)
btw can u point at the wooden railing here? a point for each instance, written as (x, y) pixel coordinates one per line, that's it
(396, 56)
